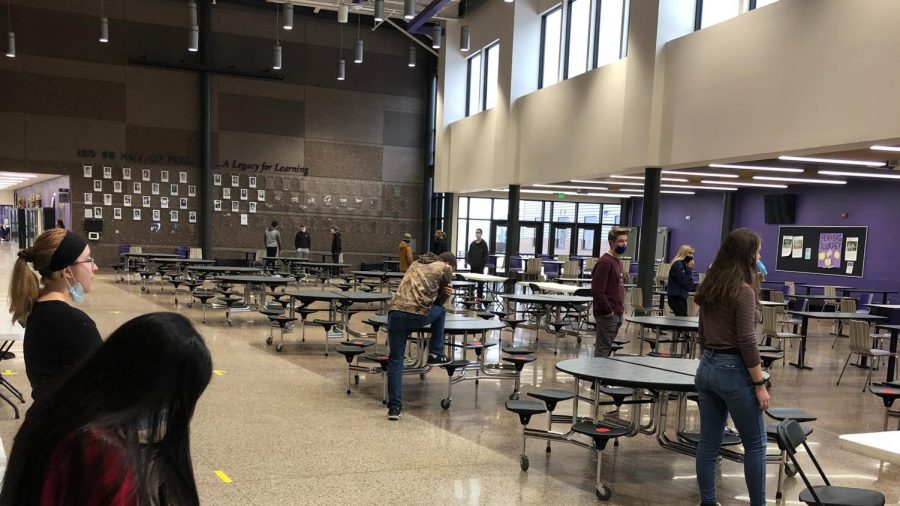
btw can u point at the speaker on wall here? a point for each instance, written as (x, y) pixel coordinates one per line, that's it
(779, 208)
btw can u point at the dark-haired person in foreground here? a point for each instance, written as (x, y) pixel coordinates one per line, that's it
(730, 380)
(116, 432)
(419, 301)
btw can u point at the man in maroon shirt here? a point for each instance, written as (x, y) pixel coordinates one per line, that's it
(608, 290)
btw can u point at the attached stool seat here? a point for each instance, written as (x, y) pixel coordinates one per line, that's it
(282, 321)
(551, 398)
(203, 297)
(304, 312)
(557, 330)
(518, 362)
(230, 301)
(349, 353)
(888, 395)
(451, 369)
(600, 434)
(327, 325)
(382, 361)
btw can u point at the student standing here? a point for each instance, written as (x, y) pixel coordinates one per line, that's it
(730, 380)
(681, 280)
(477, 258)
(440, 243)
(58, 336)
(302, 241)
(273, 243)
(336, 248)
(404, 252)
(608, 291)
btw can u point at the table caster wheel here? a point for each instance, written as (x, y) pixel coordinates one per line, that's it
(190, 304)
(513, 397)
(578, 340)
(790, 470)
(348, 391)
(445, 403)
(143, 288)
(523, 462)
(422, 376)
(603, 493)
(230, 324)
(268, 341)
(279, 347)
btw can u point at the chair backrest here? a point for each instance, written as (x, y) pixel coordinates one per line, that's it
(562, 258)
(533, 266)
(515, 263)
(551, 270)
(769, 317)
(135, 249)
(864, 301)
(582, 292)
(637, 298)
(860, 342)
(790, 436)
(792, 290)
(692, 307)
(571, 269)
(626, 264)
(701, 277)
(848, 305)
(776, 296)
(196, 253)
(589, 265)
(830, 291)
(662, 273)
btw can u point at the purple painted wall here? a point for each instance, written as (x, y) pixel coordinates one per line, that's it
(872, 204)
(702, 231)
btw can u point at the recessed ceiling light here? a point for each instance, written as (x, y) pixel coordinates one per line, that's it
(695, 187)
(798, 180)
(622, 183)
(858, 174)
(761, 168)
(736, 183)
(676, 192)
(701, 174)
(588, 181)
(885, 148)
(612, 195)
(569, 187)
(641, 178)
(864, 163)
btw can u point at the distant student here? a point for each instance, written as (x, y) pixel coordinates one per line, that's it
(440, 243)
(302, 241)
(273, 243)
(336, 248)
(404, 252)
(681, 280)
(608, 291)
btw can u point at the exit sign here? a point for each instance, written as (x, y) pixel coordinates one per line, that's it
(561, 195)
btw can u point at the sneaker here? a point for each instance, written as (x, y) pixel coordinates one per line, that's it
(394, 413)
(434, 359)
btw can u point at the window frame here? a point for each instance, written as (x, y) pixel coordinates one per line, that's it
(469, 66)
(623, 32)
(541, 62)
(484, 71)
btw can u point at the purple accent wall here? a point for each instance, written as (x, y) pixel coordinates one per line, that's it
(702, 231)
(872, 204)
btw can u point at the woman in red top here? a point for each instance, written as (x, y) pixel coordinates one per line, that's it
(117, 431)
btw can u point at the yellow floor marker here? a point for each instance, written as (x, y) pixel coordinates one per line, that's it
(218, 372)
(8, 372)
(222, 476)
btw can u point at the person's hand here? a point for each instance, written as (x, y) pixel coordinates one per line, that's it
(448, 291)
(691, 264)
(610, 314)
(762, 397)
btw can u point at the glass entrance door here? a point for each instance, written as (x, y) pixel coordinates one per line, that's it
(530, 235)
(562, 239)
(588, 243)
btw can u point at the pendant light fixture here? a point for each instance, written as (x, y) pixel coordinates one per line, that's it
(288, 16)
(412, 56)
(194, 35)
(11, 37)
(436, 37)
(104, 25)
(379, 11)
(342, 65)
(343, 13)
(358, 49)
(409, 9)
(276, 52)
(465, 33)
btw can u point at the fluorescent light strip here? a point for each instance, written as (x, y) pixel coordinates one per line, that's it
(760, 168)
(837, 161)
(622, 183)
(735, 183)
(798, 180)
(701, 174)
(674, 192)
(17, 174)
(858, 174)
(884, 148)
(588, 181)
(569, 187)
(695, 187)
(641, 178)
(632, 190)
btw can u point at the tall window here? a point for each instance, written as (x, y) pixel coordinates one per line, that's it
(473, 88)
(762, 3)
(551, 31)
(492, 69)
(579, 30)
(716, 11)
(612, 27)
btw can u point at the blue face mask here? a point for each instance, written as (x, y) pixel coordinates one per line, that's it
(76, 291)
(621, 249)
(761, 267)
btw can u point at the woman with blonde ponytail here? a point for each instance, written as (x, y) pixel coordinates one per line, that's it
(58, 336)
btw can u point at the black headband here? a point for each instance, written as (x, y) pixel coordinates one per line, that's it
(71, 247)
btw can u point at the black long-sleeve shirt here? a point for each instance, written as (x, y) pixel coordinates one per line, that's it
(302, 240)
(336, 244)
(478, 255)
(58, 338)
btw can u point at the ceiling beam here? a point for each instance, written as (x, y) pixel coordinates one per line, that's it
(425, 14)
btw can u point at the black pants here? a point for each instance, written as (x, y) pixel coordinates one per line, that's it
(678, 305)
(335, 271)
(271, 251)
(479, 270)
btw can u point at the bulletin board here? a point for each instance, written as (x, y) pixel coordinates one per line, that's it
(835, 251)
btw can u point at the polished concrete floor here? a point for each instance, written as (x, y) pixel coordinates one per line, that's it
(278, 429)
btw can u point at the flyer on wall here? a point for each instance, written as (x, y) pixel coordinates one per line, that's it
(797, 251)
(851, 249)
(787, 244)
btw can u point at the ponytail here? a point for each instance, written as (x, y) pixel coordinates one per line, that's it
(24, 289)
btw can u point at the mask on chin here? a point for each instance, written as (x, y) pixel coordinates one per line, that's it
(76, 291)
(620, 249)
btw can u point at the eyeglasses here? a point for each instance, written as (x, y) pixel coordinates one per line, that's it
(88, 261)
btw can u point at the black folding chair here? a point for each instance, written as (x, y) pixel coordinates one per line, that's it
(790, 436)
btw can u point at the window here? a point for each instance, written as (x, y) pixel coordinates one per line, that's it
(612, 214)
(530, 210)
(578, 37)
(501, 209)
(716, 11)
(551, 31)
(473, 89)
(492, 69)
(611, 33)
(588, 213)
(761, 3)
(564, 212)
(480, 208)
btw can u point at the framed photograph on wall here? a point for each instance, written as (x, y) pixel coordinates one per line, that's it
(156, 215)
(88, 170)
(117, 213)
(164, 202)
(173, 216)
(117, 186)
(173, 189)
(88, 212)
(192, 190)
(226, 193)
(235, 206)
(98, 212)
(98, 185)
(235, 181)
(217, 205)
(182, 203)
(145, 201)
(107, 172)
(252, 207)
(244, 193)
(136, 188)
(88, 199)
(107, 199)
(217, 179)
(244, 220)
(252, 180)
(164, 176)
(136, 214)
(182, 177)
(154, 188)
(261, 195)
(145, 175)
(192, 216)
(126, 173)
(126, 200)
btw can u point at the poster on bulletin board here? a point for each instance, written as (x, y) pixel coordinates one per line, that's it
(834, 250)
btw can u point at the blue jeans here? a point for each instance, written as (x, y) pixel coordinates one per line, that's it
(725, 387)
(400, 324)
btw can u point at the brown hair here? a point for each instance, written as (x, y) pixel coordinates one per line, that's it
(616, 232)
(440, 234)
(25, 287)
(734, 267)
